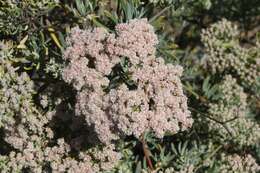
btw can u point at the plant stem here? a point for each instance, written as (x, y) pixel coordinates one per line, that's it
(146, 153)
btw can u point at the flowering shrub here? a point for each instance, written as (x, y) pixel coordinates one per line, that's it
(156, 86)
(28, 132)
(226, 54)
(16, 93)
(232, 108)
(154, 99)
(235, 163)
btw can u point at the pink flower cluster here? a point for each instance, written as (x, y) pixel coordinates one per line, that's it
(157, 104)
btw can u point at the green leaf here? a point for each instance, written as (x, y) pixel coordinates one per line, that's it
(205, 86)
(81, 7)
(112, 17)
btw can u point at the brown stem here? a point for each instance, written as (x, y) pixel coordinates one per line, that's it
(146, 153)
(217, 121)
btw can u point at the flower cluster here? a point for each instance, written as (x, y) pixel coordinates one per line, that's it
(27, 130)
(239, 164)
(57, 160)
(188, 169)
(232, 103)
(231, 115)
(224, 53)
(15, 91)
(151, 99)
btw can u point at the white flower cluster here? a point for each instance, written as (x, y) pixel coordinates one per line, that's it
(156, 103)
(26, 130)
(231, 111)
(238, 164)
(233, 101)
(224, 53)
(15, 92)
(188, 169)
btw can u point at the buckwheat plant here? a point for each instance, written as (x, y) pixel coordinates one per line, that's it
(231, 115)
(238, 164)
(26, 130)
(225, 54)
(15, 91)
(122, 88)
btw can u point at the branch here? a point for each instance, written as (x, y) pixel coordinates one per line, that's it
(146, 153)
(217, 121)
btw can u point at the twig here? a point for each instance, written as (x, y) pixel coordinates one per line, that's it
(217, 121)
(146, 153)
